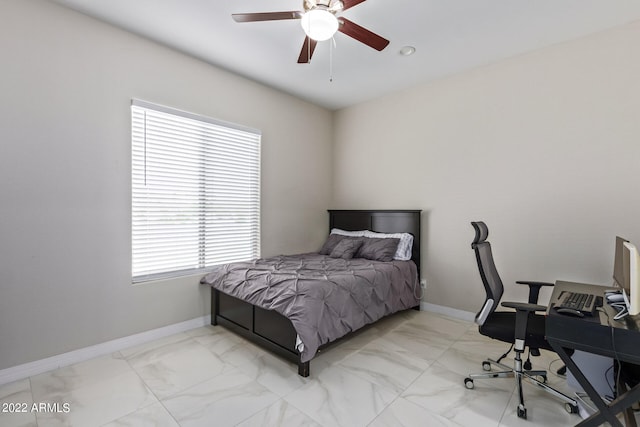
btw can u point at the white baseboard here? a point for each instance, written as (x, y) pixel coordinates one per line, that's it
(26, 370)
(448, 311)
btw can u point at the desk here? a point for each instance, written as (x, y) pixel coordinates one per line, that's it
(598, 335)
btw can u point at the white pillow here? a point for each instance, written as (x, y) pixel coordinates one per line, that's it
(359, 233)
(405, 246)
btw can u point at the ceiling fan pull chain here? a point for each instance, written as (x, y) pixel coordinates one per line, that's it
(332, 44)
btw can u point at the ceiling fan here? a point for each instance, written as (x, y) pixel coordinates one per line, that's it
(320, 22)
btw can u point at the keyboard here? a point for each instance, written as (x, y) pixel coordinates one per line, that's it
(585, 303)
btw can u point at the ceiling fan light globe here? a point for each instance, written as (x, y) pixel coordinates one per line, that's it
(319, 24)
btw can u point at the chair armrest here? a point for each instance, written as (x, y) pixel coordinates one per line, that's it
(523, 306)
(528, 282)
(523, 311)
(534, 289)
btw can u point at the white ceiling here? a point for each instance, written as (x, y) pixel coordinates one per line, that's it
(449, 36)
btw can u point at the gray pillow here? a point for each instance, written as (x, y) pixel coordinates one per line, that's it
(331, 243)
(378, 249)
(346, 248)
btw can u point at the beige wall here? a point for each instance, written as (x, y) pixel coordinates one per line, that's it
(544, 147)
(66, 82)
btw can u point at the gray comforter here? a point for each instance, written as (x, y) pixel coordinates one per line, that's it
(324, 297)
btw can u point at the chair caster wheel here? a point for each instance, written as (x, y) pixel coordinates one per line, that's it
(522, 412)
(468, 383)
(486, 366)
(572, 409)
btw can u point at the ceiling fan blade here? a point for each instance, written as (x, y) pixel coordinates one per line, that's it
(306, 53)
(350, 3)
(266, 16)
(362, 34)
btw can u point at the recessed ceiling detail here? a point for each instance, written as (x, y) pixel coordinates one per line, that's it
(407, 50)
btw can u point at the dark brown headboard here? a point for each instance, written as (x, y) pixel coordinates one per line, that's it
(382, 221)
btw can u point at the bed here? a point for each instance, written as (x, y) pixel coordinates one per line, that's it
(297, 305)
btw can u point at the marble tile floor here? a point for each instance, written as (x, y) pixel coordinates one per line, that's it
(406, 370)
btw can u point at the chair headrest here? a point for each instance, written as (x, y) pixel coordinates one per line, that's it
(482, 232)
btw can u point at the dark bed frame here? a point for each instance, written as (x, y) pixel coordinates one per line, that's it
(273, 331)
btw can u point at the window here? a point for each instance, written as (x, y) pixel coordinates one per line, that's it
(195, 192)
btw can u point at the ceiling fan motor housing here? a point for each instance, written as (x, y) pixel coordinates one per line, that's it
(332, 6)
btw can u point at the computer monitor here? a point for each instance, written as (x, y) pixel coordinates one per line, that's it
(631, 281)
(618, 267)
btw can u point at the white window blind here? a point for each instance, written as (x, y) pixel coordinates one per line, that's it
(195, 192)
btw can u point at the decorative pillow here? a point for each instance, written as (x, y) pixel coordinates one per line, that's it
(378, 249)
(346, 248)
(331, 243)
(405, 246)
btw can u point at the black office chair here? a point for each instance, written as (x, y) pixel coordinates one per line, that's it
(520, 328)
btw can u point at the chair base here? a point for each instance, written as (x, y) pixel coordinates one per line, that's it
(571, 405)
